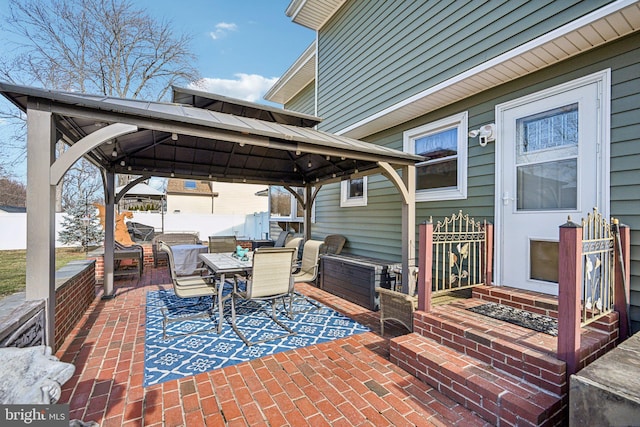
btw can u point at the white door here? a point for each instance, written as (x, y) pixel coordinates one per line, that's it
(549, 168)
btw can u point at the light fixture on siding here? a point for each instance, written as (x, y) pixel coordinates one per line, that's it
(114, 153)
(485, 133)
(174, 136)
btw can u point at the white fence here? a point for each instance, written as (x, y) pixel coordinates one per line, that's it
(13, 227)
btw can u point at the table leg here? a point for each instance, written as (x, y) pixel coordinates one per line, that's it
(220, 302)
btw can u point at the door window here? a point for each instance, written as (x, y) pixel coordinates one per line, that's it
(547, 160)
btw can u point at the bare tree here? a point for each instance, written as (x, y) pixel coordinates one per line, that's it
(12, 192)
(105, 47)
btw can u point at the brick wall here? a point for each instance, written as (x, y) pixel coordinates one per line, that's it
(75, 291)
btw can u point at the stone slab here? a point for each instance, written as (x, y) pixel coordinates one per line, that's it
(607, 392)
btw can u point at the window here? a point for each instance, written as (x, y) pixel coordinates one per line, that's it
(443, 175)
(283, 206)
(353, 192)
(189, 185)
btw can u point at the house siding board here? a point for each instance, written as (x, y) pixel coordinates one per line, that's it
(304, 101)
(424, 43)
(622, 56)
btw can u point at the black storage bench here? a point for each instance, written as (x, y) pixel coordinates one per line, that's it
(355, 278)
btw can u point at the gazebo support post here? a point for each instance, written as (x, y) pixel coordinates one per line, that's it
(406, 186)
(109, 225)
(41, 198)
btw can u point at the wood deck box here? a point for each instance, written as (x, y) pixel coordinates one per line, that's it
(355, 278)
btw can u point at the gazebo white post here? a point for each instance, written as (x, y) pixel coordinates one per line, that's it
(109, 224)
(41, 198)
(409, 230)
(406, 185)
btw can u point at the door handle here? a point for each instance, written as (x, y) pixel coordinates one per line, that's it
(506, 198)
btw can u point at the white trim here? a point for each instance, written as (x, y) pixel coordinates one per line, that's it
(459, 121)
(603, 79)
(346, 201)
(359, 129)
(284, 89)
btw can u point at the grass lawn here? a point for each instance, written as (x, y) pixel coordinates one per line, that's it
(13, 266)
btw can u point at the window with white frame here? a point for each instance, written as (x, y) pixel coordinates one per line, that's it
(353, 192)
(443, 143)
(284, 207)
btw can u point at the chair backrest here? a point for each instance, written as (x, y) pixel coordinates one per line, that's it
(294, 243)
(282, 239)
(310, 255)
(271, 272)
(219, 244)
(172, 267)
(334, 243)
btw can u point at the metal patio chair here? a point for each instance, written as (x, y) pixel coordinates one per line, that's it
(222, 244)
(196, 286)
(270, 280)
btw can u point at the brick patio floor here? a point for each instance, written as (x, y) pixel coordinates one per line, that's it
(346, 382)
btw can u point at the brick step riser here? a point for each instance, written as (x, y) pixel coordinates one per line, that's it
(496, 397)
(545, 305)
(450, 326)
(541, 370)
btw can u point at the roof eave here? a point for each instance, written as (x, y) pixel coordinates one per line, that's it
(595, 29)
(312, 14)
(296, 78)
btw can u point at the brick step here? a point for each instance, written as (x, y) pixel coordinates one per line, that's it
(596, 339)
(517, 351)
(496, 396)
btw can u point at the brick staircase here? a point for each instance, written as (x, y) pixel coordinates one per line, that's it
(507, 374)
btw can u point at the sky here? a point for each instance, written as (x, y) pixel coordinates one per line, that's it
(242, 46)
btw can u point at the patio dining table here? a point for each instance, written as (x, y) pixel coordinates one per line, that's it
(223, 264)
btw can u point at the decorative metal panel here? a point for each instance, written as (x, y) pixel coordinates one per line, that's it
(458, 253)
(598, 271)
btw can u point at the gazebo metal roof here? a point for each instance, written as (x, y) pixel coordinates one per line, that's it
(185, 141)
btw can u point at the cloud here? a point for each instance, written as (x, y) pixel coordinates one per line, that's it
(222, 29)
(248, 87)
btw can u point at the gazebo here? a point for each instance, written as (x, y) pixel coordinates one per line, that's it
(198, 136)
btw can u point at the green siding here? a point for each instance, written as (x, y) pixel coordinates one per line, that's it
(304, 101)
(375, 230)
(374, 53)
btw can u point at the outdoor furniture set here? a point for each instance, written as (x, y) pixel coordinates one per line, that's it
(264, 274)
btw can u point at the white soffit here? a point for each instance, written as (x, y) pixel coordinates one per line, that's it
(604, 25)
(296, 78)
(312, 13)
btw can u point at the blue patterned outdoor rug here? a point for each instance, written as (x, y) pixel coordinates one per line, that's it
(198, 348)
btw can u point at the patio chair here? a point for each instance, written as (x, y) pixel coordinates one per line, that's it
(171, 239)
(296, 242)
(222, 244)
(333, 244)
(282, 239)
(270, 280)
(310, 260)
(196, 286)
(308, 271)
